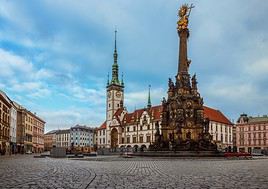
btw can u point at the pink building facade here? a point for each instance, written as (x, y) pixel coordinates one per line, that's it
(252, 134)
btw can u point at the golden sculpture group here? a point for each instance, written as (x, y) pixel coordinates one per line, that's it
(184, 14)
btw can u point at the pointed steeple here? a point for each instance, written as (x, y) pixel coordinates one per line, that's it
(108, 79)
(122, 80)
(115, 50)
(115, 79)
(149, 104)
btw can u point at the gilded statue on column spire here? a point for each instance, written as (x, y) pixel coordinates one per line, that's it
(184, 14)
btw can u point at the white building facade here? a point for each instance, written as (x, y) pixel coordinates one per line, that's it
(220, 127)
(100, 136)
(63, 138)
(81, 136)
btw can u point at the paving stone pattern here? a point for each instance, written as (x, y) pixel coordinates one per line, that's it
(24, 171)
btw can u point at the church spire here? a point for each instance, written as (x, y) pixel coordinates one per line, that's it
(122, 80)
(115, 50)
(115, 79)
(149, 104)
(108, 79)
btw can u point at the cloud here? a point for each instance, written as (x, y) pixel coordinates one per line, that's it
(55, 56)
(71, 116)
(258, 68)
(12, 64)
(20, 76)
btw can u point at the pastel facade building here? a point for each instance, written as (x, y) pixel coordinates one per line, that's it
(63, 138)
(50, 140)
(252, 134)
(30, 131)
(5, 106)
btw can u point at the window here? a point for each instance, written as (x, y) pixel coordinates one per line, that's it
(141, 127)
(148, 127)
(123, 141)
(141, 139)
(127, 129)
(134, 128)
(148, 138)
(128, 139)
(134, 139)
(103, 140)
(100, 140)
(103, 132)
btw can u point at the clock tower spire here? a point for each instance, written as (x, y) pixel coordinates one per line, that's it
(115, 88)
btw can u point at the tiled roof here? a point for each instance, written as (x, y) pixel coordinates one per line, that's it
(103, 126)
(156, 111)
(132, 117)
(215, 115)
(118, 112)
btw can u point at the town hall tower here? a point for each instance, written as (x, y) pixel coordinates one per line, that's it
(115, 90)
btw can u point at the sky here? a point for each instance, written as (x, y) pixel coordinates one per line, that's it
(55, 55)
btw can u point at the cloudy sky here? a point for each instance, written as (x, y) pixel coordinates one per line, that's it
(55, 55)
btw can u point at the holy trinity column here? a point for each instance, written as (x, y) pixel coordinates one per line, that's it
(183, 123)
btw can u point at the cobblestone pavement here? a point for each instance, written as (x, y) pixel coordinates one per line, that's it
(113, 172)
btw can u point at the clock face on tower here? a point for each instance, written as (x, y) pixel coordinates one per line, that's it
(118, 94)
